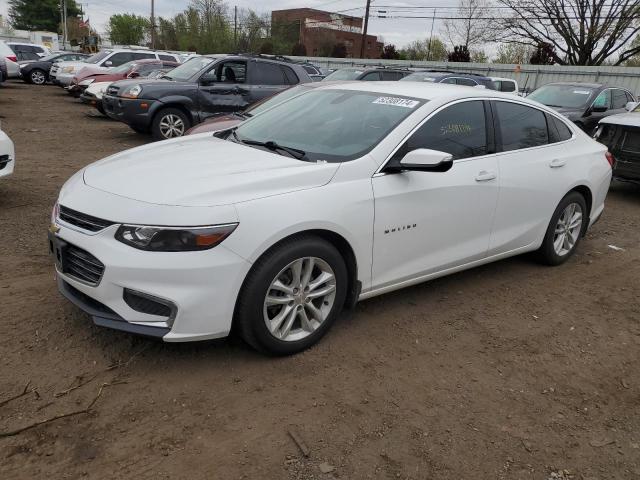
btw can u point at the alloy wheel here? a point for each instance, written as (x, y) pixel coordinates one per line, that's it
(567, 229)
(299, 299)
(38, 77)
(171, 126)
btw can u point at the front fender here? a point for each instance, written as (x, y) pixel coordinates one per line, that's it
(175, 100)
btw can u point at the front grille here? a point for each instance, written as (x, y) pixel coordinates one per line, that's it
(145, 304)
(4, 161)
(80, 264)
(82, 220)
(112, 90)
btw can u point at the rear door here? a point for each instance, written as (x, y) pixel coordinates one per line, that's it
(535, 164)
(223, 88)
(265, 80)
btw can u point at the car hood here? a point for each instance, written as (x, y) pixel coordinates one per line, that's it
(203, 170)
(625, 119)
(570, 113)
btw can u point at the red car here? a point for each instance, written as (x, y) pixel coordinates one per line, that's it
(133, 69)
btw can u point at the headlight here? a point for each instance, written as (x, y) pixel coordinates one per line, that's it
(174, 239)
(89, 81)
(132, 92)
(69, 70)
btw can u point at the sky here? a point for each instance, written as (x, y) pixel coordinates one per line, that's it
(400, 32)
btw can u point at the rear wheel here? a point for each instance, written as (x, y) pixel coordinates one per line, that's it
(292, 296)
(565, 230)
(169, 123)
(38, 77)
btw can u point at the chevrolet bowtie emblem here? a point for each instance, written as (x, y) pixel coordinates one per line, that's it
(53, 228)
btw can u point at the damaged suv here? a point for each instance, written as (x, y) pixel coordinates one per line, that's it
(202, 87)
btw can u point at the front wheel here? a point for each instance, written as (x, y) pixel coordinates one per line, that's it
(38, 77)
(565, 230)
(169, 123)
(292, 296)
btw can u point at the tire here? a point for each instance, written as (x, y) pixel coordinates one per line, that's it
(169, 123)
(37, 76)
(554, 250)
(308, 318)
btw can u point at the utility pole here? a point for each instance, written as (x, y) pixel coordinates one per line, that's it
(235, 28)
(364, 30)
(64, 24)
(153, 25)
(433, 20)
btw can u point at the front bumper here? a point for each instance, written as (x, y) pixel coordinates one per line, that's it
(129, 110)
(61, 79)
(202, 286)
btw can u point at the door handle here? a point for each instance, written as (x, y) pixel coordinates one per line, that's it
(485, 176)
(558, 162)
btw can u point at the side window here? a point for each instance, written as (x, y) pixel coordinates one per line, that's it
(466, 81)
(521, 126)
(268, 74)
(603, 100)
(506, 86)
(564, 132)
(371, 77)
(449, 80)
(290, 76)
(232, 72)
(168, 58)
(118, 59)
(310, 70)
(630, 97)
(140, 56)
(391, 76)
(459, 130)
(619, 99)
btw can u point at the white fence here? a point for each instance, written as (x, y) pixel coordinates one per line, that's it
(527, 76)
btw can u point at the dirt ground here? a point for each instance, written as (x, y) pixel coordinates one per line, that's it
(509, 371)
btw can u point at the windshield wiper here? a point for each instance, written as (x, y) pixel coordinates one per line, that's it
(271, 145)
(166, 76)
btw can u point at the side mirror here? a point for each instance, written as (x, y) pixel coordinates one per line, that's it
(108, 63)
(630, 106)
(599, 108)
(133, 75)
(425, 160)
(208, 79)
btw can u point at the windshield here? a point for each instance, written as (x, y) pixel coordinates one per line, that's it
(97, 57)
(276, 99)
(344, 74)
(188, 69)
(419, 77)
(562, 96)
(125, 67)
(330, 125)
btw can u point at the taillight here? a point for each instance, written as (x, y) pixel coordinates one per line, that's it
(13, 58)
(610, 158)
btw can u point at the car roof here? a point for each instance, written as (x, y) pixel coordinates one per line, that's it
(577, 84)
(432, 91)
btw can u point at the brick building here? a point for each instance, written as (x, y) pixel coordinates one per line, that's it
(320, 31)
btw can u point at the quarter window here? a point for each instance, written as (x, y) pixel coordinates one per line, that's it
(564, 133)
(290, 76)
(168, 58)
(466, 81)
(459, 130)
(371, 77)
(521, 126)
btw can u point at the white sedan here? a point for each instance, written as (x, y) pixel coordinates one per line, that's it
(337, 195)
(7, 155)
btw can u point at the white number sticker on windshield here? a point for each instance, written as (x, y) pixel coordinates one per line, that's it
(397, 102)
(582, 92)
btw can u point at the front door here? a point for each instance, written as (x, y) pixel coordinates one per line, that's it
(426, 222)
(223, 89)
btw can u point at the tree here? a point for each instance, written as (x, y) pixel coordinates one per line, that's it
(582, 32)
(543, 55)
(428, 49)
(460, 54)
(479, 56)
(127, 28)
(389, 52)
(299, 50)
(39, 14)
(470, 27)
(635, 60)
(513, 53)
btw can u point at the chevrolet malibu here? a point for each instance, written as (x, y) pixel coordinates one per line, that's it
(340, 194)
